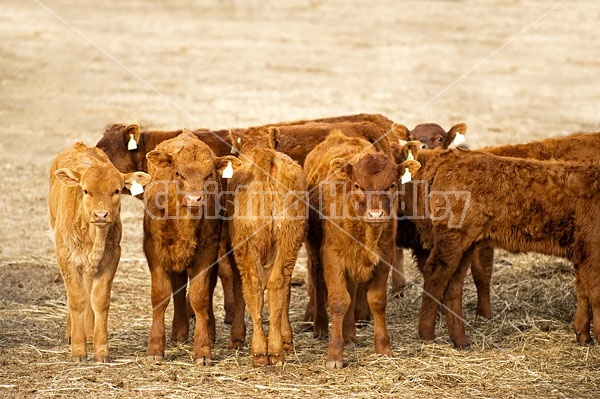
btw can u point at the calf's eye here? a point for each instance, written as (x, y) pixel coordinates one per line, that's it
(393, 186)
(440, 138)
(85, 191)
(356, 186)
(117, 191)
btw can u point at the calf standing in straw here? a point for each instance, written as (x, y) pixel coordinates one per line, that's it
(181, 238)
(267, 229)
(85, 204)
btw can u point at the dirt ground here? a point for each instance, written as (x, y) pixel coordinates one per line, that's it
(513, 70)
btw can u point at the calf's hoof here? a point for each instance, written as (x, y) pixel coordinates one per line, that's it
(462, 344)
(155, 358)
(276, 358)
(203, 362)
(398, 292)
(334, 364)
(78, 359)
(235, 344)
(426, 335)
(102, 359)
(260, 359)
(584, 338)
(319, 331)
(288, 345)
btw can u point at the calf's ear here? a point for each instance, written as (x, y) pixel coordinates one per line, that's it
(68, 177)
(274, 135)
(407, 169)
(131, 136)
(400, 133)
(140, 178)
(456, 134)
(410, 151)
(228, 162)
(236, 141)
(341, 168)
(159, 159)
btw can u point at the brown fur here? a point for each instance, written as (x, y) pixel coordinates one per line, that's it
(181, 236)
(295, 141)
(546, 207)
(84, 204)
(348, 250)
(587, 148)
(267, 229)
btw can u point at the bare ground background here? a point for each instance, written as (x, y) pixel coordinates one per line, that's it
(512, 70)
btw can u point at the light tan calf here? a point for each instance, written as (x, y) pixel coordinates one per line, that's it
(84, 204)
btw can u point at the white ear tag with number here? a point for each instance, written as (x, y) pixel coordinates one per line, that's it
(410, 156)
(459, 139)
(131, 144)
(136, 188)
(228, 171)
(406, 177)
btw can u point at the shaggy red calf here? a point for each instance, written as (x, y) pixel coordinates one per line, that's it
(84, 203)
(548, 207)
(181, 238)
(351, 239)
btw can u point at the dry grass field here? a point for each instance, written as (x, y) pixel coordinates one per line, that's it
(513, 70)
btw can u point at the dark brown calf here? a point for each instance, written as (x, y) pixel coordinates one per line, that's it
(351, 237)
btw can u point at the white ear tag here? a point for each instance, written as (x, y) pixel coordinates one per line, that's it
(131, 144)
(406, 177)
(459, 139)
(409, 156)
(136, 188)
(228, 171)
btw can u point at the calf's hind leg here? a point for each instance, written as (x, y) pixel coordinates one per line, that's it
(250, 266)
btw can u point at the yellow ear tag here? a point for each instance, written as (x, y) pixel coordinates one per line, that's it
(409, 156)
(406, 177)
(459, 139)
(131, 144)
(228, 171)
(136, 188)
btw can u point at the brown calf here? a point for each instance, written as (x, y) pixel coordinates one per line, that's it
(587, 148)
(181, 238)
(351, 237)
(549, 207)
(84, 203)
(267, 228)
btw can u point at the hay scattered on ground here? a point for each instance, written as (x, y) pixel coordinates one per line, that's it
(527, 349)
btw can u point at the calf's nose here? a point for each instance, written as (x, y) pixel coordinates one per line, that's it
(376, 214)
(193, 200)
(100, 216)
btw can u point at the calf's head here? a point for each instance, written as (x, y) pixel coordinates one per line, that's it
(255, 137)
(193, 166)
(101, 186)
(373, 180)
(120, 143)
(432, 135)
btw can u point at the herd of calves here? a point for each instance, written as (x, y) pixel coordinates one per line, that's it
(238, 204)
